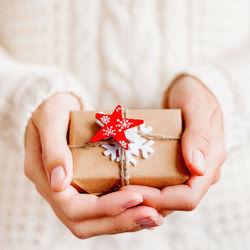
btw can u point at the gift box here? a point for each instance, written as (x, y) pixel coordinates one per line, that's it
(153, 157)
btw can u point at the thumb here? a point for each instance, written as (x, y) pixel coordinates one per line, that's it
(52, 120)
(196, 138)
(199, 107)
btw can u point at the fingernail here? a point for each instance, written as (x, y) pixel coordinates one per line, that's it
(57, 177)
(199, 161)
(131, 204)
(149, 222)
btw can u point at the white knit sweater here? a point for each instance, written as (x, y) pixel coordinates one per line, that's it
(123, 52)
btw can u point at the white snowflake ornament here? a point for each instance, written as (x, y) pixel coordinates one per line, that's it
(132, 134)
(146, 148)
(113, 150)
(144, 129)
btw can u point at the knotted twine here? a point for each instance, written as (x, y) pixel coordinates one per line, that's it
(124, 173)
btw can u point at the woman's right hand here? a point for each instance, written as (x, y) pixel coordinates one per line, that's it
(48, 164)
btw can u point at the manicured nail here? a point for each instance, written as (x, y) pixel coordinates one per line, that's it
(199, 161)
(57, 177)
(131, 204)
(148, 222)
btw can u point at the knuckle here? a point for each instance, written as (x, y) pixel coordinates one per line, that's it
(200, 136)
(70, 213)
(67, 207)
(204, 140)
(46, 155)
(192, 204)
(117, 226)
(50, 158)
(53, 155)
(102, 209)
(78, 232)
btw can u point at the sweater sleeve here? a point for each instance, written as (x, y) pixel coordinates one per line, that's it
(23, 87)
(229, 80)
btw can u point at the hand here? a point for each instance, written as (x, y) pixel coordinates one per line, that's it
(202, 147)
(48, 163)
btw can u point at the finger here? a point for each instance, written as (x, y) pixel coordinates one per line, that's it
(184, 197)
(198, 106)
(73, 205)
(179, 197)
(136, 218)
(151, 196)
(86, 206)
(52, 120)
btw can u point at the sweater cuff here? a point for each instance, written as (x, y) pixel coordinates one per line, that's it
(214, 79)
(37, 84)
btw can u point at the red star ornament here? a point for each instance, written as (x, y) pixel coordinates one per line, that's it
(115, 125)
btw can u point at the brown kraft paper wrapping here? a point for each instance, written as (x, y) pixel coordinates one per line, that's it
(97, 174)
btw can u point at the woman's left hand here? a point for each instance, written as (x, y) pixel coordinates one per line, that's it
(202, 144)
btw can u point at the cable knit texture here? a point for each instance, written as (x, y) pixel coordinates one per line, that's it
(124, 52)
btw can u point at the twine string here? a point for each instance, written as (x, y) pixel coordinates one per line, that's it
(159, 137)
(91, 144)
(124, 173)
